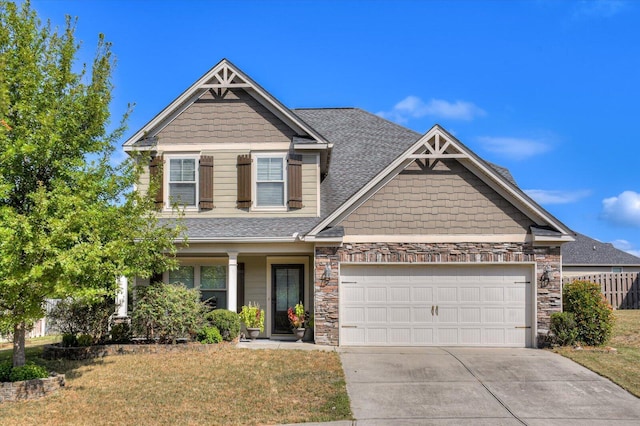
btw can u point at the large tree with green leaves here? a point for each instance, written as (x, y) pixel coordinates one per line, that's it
(70, 221)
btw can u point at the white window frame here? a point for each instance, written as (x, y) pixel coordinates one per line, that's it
(167, 179)
(254, 180)
(197, 264)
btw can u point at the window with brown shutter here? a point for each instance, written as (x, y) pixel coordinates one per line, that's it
(206, 182)
(294, 181)
(155, 173)
(244, 181)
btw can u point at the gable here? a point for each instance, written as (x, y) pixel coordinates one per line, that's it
(442, 199)
(231, 116)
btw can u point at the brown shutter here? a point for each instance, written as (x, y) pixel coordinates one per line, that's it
(294, 177)
(244, 182)
(155, 173)
(206, 182)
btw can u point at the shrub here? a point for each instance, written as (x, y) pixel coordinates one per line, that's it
(5, 371)
(84, 315)
(593, 314)
(563, 327)
(227, 322)
(209, 335)
(85, 340)
(167, 312)
(121, 332)
(69, 340)
(28, 371)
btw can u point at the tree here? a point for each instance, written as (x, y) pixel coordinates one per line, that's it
(70, 220)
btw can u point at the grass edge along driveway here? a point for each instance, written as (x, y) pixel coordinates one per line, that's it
(621, 366)
(226, 386)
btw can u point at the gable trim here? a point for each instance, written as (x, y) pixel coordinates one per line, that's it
(229, 72)
(423, 149)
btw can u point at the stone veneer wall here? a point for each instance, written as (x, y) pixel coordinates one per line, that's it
(549, 295)
(30, 389)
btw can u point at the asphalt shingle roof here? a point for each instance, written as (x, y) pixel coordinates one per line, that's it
(243, 227)
(363, 145)
(587, 251)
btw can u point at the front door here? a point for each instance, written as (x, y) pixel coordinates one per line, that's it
(288, 287)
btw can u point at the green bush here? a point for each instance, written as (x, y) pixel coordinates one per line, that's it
(84, 315)
(227, 322)
(167, 312)
(69, 340)
(121, 332)
(5, 371)
(593, 314)
(209, 335)
(85, 340)
(563, 327)
(28, 371)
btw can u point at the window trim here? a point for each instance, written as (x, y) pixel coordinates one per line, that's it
(167, 180)
(614, 269)
(254, 181)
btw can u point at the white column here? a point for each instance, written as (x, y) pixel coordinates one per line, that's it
(232, 291)
(121, 298)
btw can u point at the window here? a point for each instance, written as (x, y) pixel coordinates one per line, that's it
(270, 181)
(616, 269)
(182, 181)
(211, 280)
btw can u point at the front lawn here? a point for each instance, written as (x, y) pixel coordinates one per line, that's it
(229, 386)
(622, 366)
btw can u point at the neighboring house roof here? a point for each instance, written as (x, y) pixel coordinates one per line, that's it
(587, 251)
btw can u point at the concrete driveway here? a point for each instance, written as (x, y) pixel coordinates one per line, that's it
(451, 386)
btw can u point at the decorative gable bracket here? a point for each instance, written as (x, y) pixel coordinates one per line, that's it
(225, 78)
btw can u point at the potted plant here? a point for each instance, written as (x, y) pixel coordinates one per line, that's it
(308, 334)
(296, 318)
(253, 318)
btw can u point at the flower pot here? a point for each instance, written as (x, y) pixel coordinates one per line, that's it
(253, 333)
(299, 333)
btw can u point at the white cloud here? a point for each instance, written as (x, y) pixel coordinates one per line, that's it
(622, 210)
(598, 8)
(626, 246)
(514, 148)
(414, 107)
(552, 196)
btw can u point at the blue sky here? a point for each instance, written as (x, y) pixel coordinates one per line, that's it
(548, 89)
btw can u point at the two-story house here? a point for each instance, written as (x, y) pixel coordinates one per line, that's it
(387, 236)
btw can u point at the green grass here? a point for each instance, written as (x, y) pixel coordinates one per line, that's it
(228, 386)
(621, 366)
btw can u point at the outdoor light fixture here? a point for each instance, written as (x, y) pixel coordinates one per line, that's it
(326, 275)
(546, 275)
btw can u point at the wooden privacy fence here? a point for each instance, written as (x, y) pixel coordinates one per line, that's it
(621, 289)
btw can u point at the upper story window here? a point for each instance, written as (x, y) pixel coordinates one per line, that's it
(186, 179)
(270, 181)
(183, 188)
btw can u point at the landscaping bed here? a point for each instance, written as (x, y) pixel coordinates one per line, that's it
(57, 351)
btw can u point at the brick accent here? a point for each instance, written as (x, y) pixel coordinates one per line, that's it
(549, 295)
(30, 389)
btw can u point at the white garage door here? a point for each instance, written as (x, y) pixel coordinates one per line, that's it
(423, 305)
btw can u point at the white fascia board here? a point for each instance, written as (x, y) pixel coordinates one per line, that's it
(196, 90)
(504, 187)
(542, 240)
(311, 146)
(242, 240)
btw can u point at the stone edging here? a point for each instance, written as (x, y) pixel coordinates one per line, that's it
(30, 389)
(56, 351)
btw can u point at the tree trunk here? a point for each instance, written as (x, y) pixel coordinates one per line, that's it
(19, 358)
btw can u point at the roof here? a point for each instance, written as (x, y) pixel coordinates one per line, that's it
(238, 228)
(363, 145)
(587, 251)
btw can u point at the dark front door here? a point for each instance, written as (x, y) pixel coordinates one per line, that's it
(288, 287)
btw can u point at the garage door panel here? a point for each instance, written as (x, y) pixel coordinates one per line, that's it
(442, 305)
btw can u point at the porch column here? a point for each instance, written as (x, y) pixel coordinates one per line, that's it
(232, 292)
(121, 298)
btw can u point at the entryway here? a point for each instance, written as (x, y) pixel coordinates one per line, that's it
(288, 290)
